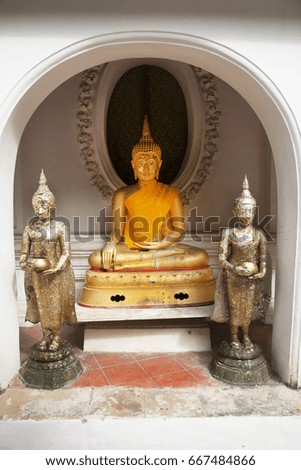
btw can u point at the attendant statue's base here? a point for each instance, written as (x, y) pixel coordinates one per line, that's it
(240, 366)
(162, 288)
(50, 369)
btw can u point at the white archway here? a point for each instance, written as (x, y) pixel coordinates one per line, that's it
(258, 90)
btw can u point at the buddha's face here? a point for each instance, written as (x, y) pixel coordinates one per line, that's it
(146, 166)
(42, 208)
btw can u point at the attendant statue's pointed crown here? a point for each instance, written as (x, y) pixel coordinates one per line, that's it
(245, 200)
(146, 143)
(43, 192)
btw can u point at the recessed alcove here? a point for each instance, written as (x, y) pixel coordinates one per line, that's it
(51, 140)
(238, 71)
(147, 90)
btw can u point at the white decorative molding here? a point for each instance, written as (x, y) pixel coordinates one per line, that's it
(85, 134)
(203, 115)
(212, 125)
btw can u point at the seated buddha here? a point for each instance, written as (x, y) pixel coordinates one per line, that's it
(148, 225)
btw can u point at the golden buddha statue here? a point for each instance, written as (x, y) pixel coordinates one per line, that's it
(147, 228)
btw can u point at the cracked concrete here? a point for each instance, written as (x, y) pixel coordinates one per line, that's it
(273, 399)
(220, 417)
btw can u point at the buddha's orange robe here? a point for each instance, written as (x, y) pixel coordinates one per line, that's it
(148, 212)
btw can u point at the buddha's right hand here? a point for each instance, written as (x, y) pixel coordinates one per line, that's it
(108, 254)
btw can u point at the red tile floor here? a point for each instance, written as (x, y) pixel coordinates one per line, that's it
(133, 370)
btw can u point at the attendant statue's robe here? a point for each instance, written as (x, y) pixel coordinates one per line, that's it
(50, 298)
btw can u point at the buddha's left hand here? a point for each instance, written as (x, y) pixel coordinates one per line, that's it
(161, 245)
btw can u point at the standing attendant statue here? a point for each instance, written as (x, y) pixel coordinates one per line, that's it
(50, 291)
(239, 294)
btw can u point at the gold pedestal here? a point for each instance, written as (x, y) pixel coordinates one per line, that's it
(186, 287)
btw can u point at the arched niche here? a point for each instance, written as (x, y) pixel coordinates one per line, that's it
(203, 122)
(242, 75)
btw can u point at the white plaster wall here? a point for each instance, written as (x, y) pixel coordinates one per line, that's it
(50, 142)
(243, 149)
(242, 433)
(265, 31)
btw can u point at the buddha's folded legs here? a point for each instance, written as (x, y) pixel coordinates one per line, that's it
(176, 257)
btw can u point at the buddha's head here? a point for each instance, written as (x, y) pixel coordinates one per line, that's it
(245, 205)
(146, 156)
(43, 201)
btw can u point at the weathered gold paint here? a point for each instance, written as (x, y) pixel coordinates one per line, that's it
(49, 279)
(243, 260)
